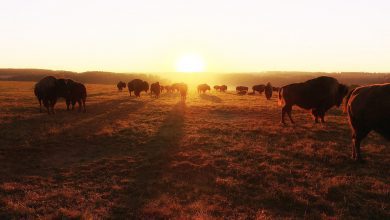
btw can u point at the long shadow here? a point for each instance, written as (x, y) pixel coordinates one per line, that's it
(211, 98)
(157, 155)
(33, 152)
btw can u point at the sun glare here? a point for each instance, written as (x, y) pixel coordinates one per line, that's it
(190, 63)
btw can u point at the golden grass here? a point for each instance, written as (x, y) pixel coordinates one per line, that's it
(216, 156)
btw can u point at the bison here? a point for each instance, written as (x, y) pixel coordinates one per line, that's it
(48, 90)
(368, 109)
(217, 88)
(155, 89)
(202, 88)
(258, 88)
(76, 93)
(223, 88)
(137, 86)
(121, 85)
(268, 91)
(183, 91)
(242, 88)
(318, 95)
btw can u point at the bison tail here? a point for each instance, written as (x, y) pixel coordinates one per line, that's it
(280, 98)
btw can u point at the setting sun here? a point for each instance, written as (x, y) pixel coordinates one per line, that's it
(190, 63)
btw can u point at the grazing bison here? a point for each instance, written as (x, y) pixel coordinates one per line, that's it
(155, 89)
(268, 91)
(258, 88)
(47, 90)
(202, 88)
(76, 93)
(137, 86)
(217, 88)
(121, 85)
(242, 88)
(223, 88)
(318, 95)
(368, 109)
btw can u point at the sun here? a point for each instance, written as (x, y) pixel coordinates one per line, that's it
(190, 63)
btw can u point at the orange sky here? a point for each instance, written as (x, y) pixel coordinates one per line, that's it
(223, 35)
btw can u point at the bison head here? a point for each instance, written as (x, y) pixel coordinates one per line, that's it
(145, 86)
(342, 92)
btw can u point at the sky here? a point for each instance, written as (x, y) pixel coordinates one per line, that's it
(205, 35)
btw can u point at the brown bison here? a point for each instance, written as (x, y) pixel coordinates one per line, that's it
(121, 85)
(48, 90)
(268, 91)
(76, 93)
(155, 89)
(217, 88)
(202, 88)
(242, 88)
(223, 88)
(368, 109)
(162, 88)
(137, 86)
(258, 88)
(318, 95)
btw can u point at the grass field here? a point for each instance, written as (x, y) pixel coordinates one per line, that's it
(216, 156)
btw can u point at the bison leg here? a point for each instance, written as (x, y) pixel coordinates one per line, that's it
(314, 112)
(40, 105)
(80, 104)
(322, 117)
(47, 105)
(67, 104)
(287, 109)
(357, 138)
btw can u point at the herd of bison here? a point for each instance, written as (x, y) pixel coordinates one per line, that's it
(368, 107)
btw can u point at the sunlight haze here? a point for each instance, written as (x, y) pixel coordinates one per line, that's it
(225, 36)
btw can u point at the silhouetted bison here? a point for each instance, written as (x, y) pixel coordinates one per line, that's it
(223, 88)
(368, 109)
(216, 87)
(318, 95)
(48, 89)
(137, 86)
(121, 85)
(202, 88)
(155, 89)
(258, 88)
(76, 93)
(242, 88)
(175, 87)
(183, 91)
(268, 91)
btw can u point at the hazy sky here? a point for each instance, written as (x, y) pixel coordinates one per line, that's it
(229, 36)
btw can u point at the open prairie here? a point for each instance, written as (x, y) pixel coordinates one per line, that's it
(219, 155)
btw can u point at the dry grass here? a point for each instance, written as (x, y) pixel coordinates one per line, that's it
(217, 156)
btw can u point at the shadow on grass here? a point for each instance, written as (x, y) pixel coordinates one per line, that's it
(157, 155)
(29, 147)
(211, 98)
